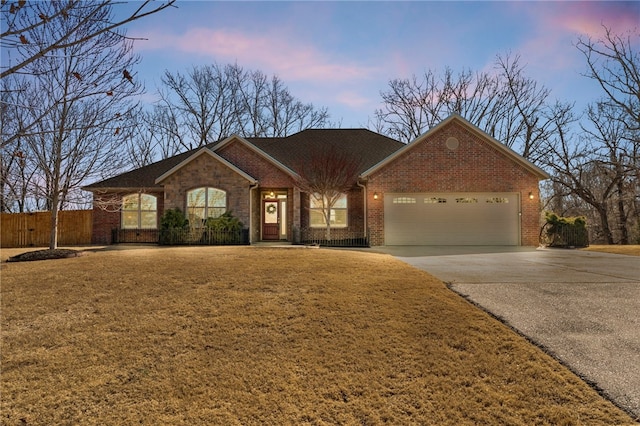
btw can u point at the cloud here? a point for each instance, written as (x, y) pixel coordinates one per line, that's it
(285, 57)
(590, 18)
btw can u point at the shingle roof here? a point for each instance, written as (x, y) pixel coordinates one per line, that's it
(291, 151)
(143, 177)
(368, 146)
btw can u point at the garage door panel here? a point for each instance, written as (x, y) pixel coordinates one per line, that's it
(452, 219)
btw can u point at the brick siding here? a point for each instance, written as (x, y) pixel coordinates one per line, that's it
(206, 171)
(107, 213)
(475, 166)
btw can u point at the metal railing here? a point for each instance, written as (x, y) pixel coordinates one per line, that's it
(143, 236)
(338, 238)
(568, 237)
(180, 236)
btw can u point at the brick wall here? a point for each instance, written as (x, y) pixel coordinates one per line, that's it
(202, 171)
(255, 165)
(474, 166)
(270, 178)
(107, 213)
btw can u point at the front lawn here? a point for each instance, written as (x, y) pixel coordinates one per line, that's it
(266, 336)
(631, 250)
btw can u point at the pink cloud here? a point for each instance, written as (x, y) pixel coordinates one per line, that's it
(589, 18)
(279, 55)
(558, 25)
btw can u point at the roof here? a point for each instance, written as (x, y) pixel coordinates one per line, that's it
(287, 153)
(143, 177)
(541, 174)
(294, 150)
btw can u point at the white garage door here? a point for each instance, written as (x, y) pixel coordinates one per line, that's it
(451, 219)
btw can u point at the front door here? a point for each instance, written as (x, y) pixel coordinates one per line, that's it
(270, 219)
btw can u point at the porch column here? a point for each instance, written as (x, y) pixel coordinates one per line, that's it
(296, 214)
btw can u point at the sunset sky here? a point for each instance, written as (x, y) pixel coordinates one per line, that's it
(342, 54)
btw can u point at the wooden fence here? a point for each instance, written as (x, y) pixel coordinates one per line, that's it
(32, 229)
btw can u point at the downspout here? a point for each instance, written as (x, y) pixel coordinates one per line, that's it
(364, 191)
(251, 188)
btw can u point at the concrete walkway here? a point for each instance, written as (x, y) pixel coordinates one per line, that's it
(582, 307)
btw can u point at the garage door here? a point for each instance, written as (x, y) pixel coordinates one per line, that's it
(451, 219)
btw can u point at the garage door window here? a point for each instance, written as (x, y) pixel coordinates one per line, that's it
(497, 200)
(337, 215)
(435, 200)
(467, 200)
(404, 200)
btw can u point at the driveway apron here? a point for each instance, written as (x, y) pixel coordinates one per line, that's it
(582, 307)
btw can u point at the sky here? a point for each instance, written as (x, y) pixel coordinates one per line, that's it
(341, 55)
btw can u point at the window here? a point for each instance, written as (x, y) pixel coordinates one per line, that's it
(497, 200)
(203, 203)
(338, 214)
(467, 200)
(435, 200)
(139, 211)
(404, 200)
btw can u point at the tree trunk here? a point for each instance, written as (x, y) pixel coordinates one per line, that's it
(53, 235)
(604, 222)
(622, 217)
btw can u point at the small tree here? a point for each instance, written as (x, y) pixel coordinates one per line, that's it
(326, 175)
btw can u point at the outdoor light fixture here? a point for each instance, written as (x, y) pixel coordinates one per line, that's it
(271, 194)
(375, 195)
(531, 195)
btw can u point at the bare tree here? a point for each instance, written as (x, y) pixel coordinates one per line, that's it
(326, 175)
(580, 168)
(201, 104)
(24, 19)
(508, 105)
(615, 65)
(527, 116)
(614, 155)
(212, 102)
(70, 112)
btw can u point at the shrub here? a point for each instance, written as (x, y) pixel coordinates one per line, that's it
(226, 222)
(174, 219)
(172, 225)
(566, 231)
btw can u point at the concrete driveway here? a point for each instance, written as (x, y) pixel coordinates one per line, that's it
(582, 307)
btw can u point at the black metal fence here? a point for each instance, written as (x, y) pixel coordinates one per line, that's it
(568, 237)
(338, 237)
(180, 236)
(142, 236)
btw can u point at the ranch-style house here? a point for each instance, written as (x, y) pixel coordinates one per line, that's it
(454, 185)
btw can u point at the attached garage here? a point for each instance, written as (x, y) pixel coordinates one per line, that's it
(452, 218)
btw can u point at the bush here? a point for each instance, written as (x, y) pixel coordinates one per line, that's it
(174, 219)
(226, 222)
(566, 231)
(225, 229)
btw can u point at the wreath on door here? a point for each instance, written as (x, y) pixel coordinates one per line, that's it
(271, 208)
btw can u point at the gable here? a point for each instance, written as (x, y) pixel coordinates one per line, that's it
(456, 144)
(249, 152)
(210, 154)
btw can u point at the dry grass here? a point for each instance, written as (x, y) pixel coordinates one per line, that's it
(631, 250)
(266, 336)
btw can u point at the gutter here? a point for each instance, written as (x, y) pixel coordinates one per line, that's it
(251, 188)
